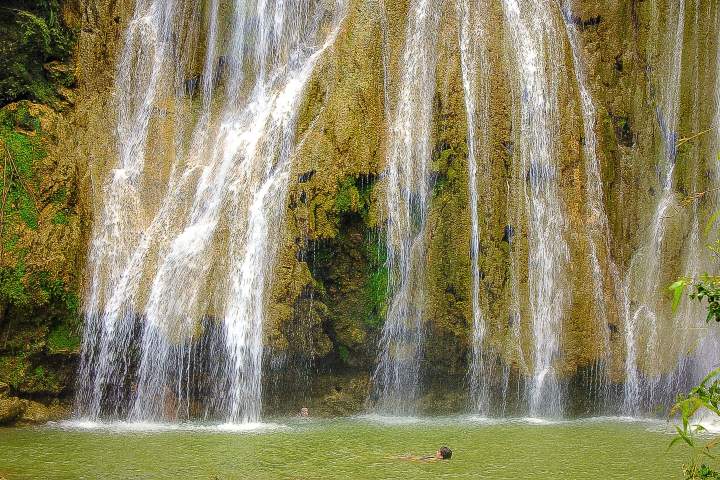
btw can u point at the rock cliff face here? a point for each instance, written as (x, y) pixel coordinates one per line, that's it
(40, 217)
(328, 298)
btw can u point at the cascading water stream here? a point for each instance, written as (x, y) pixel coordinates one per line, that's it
(184, 241)
(689, 319)
(598, 230)
(644, 315)
(535, 50)
(193, 277)
(397, 374)
(474, 65)
(707, 354)
(105, 342)
(514, 344)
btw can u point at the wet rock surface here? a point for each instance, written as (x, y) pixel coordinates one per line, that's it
(328, 296)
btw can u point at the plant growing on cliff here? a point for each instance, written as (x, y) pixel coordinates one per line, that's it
(31, 36)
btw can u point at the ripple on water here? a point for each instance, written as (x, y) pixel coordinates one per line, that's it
(360, 448)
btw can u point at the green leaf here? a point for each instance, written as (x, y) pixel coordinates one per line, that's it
(712, 443)
(674, 441)
(683, 436)
(677, 288)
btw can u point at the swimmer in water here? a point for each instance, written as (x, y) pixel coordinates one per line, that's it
(443, 454)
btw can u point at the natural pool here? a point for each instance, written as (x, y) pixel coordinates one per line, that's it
(355, 448)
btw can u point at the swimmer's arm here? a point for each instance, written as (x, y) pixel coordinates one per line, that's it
(416, 458)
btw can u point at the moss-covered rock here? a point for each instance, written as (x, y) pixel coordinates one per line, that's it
(329, 293)
(40, 234)
(36, 413)
(10, 410)
(340, 395)
(33, 42)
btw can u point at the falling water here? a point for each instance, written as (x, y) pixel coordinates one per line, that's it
(396, 377)
(598, 231)
(534, 45)
(707, 356)
(644, 315)
(184, 284)
(474, 64)
(514, 345)
(690, 318)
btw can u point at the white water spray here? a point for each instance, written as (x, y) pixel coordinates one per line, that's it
(476, 76)
(396, 377)
(536, 53)
(182, 288)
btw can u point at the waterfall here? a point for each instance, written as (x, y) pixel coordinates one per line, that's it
(474, 64)
(178, 266)
(690, 318)
(514, 341)
(407, 174)
(707, 356)
(643, 315)
(597, 229)
(536, 52)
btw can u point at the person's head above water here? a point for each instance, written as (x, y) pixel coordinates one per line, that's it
(304, 412)
(443, 454)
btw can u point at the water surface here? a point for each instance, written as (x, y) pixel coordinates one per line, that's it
(358, 448)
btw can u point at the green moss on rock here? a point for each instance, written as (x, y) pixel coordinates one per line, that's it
(32, 34)
(63, 339)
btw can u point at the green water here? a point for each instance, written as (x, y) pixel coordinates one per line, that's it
(361, 448)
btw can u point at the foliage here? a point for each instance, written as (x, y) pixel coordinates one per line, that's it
(706, 396)
(17, 371)
(13, 370)
(32, 35)
(707, 288)
(24, 289)
(12, 286)
(700, 472)
(353, 196)
(377, 285)
(348, 197)
(344, 353)
(20, 149)
(60, 218)
(63, 339)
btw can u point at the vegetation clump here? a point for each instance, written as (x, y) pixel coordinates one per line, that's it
(39, 306)
(32, 37)
(704, 398)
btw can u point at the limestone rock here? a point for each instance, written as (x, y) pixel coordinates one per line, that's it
(343, 397)
(36, 413)
(10, 409)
